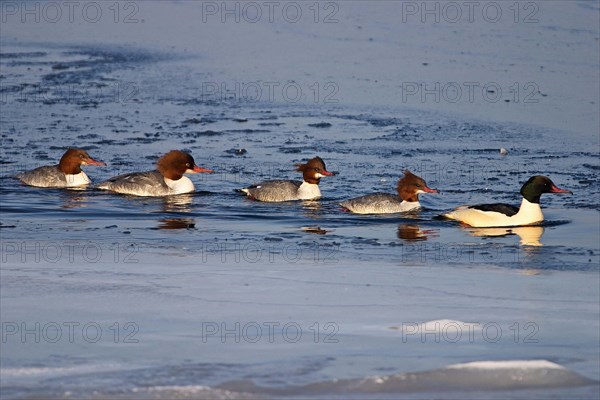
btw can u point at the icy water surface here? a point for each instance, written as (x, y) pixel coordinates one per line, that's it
(212, 295)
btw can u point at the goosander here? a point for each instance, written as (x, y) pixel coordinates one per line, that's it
(528, 235)
(497, 215)
(284, 190)
(409, 187)
(166, 180)
(414, 233)
(67, 173)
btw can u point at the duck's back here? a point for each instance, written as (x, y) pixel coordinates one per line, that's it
(51, 176)
(378, 203)
(150, 183)
(274, 191)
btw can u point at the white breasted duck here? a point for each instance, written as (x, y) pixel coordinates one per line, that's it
(66, 174)
(497, 215)
(409, 187)
(287, 190)
(166, 180)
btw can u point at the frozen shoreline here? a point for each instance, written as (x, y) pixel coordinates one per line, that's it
(185, 313)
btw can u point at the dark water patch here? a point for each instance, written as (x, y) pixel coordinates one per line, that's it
(555, 222)
(291, 150)
(266, 117)
(144, 140)
(247, 131)
(25, 54)
(203, 133)
(196, 121)
(383, 122)
(40, 155)
(16, 88)
(550, 156)
(272, 239)
(89, 136)
(96, 62)
(402, 132)
(320, 125)
(593, 167)
(194, 101)
(27, 63)
(584, 205)
(111, 142)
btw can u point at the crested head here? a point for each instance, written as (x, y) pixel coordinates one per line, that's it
(313, 170)
(71, 162)
(538, 185)
(410, 186)
(175, 163)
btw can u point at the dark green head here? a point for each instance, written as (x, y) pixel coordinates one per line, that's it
(536, 185)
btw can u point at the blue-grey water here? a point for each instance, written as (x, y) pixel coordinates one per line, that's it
(212, 295)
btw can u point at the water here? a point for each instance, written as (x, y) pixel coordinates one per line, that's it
(213, 295)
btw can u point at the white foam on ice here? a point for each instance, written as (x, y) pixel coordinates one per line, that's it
(511, 364)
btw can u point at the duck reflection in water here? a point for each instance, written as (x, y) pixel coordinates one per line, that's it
(413, 233)
(312, 208)
(528, 235)
(176, 223)
(73, 202)
(177, 204)
(73, 197)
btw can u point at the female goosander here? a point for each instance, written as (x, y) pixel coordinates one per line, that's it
(409, 187)
(166, 180)
(496, 215)
(67, 173)
(282, 190)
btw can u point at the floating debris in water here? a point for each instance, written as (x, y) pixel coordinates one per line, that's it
(503, 151)
(315, 229)
(237, 152)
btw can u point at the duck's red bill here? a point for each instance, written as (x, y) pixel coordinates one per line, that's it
(428, 190)
(327, 173)
(200, 169)
(91, 161)
(555, 189)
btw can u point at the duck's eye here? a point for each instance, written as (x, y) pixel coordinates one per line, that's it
(81, 156)
(188, 165)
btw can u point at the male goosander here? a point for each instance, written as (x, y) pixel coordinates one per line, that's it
(409, 187)
(496, 215)
(528, 235)
(283, 190)
(166, 180)
(67, 173)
